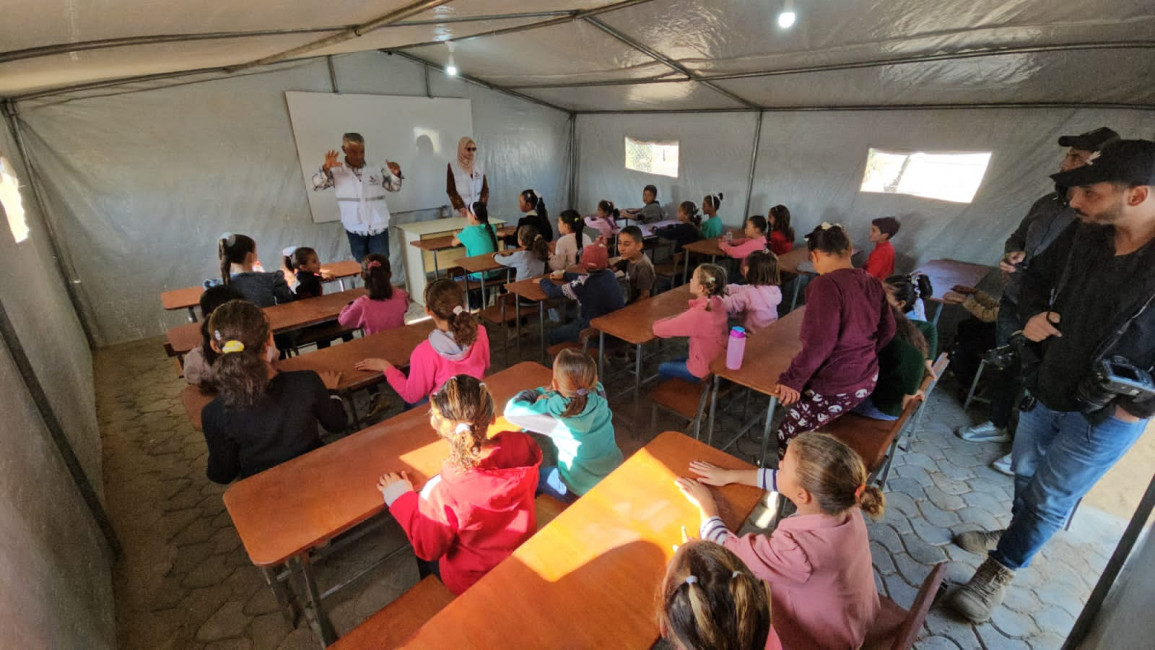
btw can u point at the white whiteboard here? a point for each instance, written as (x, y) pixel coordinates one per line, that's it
(418, 133)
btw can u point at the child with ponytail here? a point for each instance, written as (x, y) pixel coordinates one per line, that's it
(572, 240)
(781, 235)
(686, 230)
(457, 345)
(756, 239)
(530, 257)
(574, 413)
(535, 215)
(756, 302)
(262, 417)
(704, 322)
(480, 507)
(710, 599)
(385, 306)
(238, 257)
(606, 220)
(712, 226)
(817, 561)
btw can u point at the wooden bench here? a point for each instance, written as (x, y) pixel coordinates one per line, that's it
(546, 508)
(501, 314)
(583, 343)
(683, 398)
(400, 619)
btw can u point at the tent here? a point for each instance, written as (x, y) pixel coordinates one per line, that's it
(139, 132)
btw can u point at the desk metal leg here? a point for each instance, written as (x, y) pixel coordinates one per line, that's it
(638, 374)
(468, 302)
(436, 271)
(341, 283)
(685, 269)
(937, 313)
(517, 327)
(797, 285)
(484, 302)
(601, 356)
(192, 314)
(541, 326)
(713, 407)
(767, 431)
(284, 601)
(320, 622)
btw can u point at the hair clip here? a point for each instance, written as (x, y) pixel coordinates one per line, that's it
(859, 490)
(229, 238)
(232, 346)
(289, 250)
(375, 264)
(463, 427)
(691, 579)
(735, 574)
(582, 392)
(217, 335)
(458, 309)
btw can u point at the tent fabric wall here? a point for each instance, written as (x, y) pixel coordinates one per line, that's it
(55, 568)
(140, 185)
(813, 161)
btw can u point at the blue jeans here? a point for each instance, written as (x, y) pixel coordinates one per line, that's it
(571, 331)
(676, 369)
(549, 482)
(362, 245)
(1058, 456)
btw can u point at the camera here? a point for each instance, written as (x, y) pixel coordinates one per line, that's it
(1113, 377)
(1018, 355)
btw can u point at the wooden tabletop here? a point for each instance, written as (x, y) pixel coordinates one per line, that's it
(312, 498)
(589, 578)
(445, 242)
(478, 263)
(788, 262)
(705, 247)
(282, 318)
(194, 401)
(529, 289)
(634, 323)
(191, 296)
(393, 345)
(768, 354)
(945, 274)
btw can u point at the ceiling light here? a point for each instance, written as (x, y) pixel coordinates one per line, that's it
(450, 66)
(786, 19)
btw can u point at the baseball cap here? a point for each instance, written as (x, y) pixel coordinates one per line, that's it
(1122, 161)
(1089, 141)
(595, 257)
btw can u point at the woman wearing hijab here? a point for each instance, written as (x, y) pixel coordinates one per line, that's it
(465, 182)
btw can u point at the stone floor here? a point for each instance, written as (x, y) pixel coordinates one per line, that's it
(185, 581)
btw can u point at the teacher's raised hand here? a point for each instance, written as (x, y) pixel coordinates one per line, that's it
(331, 159)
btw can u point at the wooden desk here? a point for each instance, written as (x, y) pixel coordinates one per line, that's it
(481, 265)
(529, 290)
(283, 512)
(791, 262)
(945, 274)
(701, 247)
(282, 318)
(768, 354)
(189, 297)
(634, 323)
(434, 245)
(589, 578)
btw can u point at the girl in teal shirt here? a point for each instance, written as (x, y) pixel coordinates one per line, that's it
(712, 226)
(479, 237)
(574, 413)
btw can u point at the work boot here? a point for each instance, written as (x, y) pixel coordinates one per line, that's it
(978, 542)
(984, 592)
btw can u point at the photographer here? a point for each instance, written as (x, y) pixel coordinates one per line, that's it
(1089, 301)
(1046, 219)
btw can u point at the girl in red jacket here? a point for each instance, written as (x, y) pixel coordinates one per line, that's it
(479, 509)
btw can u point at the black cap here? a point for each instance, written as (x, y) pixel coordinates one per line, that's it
(1122, 161)
(1089, 141)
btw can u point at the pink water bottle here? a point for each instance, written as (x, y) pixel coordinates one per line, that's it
(736, 348)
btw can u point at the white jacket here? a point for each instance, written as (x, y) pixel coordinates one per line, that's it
(360, 195)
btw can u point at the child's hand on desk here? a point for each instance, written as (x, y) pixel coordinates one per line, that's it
(326, 275)
(786, 395)
(331, 379)
(699, 495)
(378, 365)
(393, 484)
(711, 474)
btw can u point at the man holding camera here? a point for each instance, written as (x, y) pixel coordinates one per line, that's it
(1047, 218)
(1089, 301)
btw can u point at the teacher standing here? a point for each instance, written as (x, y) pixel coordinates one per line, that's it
(360, 187)
(465, 181)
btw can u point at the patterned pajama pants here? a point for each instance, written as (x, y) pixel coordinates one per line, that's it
(812, 410)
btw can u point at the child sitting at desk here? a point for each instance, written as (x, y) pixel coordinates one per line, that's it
(686, 230)
(712, 226)
(574, 413)
(262, 417)
(571, 241)
(606, 220)
(306, 266)
(529, 258)
(238, 257)
(534, 215)
(847, 322)
(710, 599)
(755, 239)
(480, 508)
(597, 291)
(652, 211)
(880, 264)
(817, 561)
(756, 302)
(457, 345)
(781, 233)
(704, 322)
(901, 367)
(198, 362)
(385, 306)
(635, 264)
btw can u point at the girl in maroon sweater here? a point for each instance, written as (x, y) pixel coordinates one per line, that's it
(847, 322)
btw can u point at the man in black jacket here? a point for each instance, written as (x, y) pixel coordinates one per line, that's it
(1086, 298)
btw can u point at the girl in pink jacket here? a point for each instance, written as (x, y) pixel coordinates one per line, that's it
(817, 561)
(755, 240)
(456, 346)
(385, 306)
(704, 322)
(756, 303)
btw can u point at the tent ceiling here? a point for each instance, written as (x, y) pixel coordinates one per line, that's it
(614, 55)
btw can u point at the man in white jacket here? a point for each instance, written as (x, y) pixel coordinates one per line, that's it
(360, 187)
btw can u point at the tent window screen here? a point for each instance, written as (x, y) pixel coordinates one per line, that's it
(951, 177)
(652, 157)
(10, 199)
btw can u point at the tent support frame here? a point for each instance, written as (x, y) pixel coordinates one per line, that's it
(753, 165)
